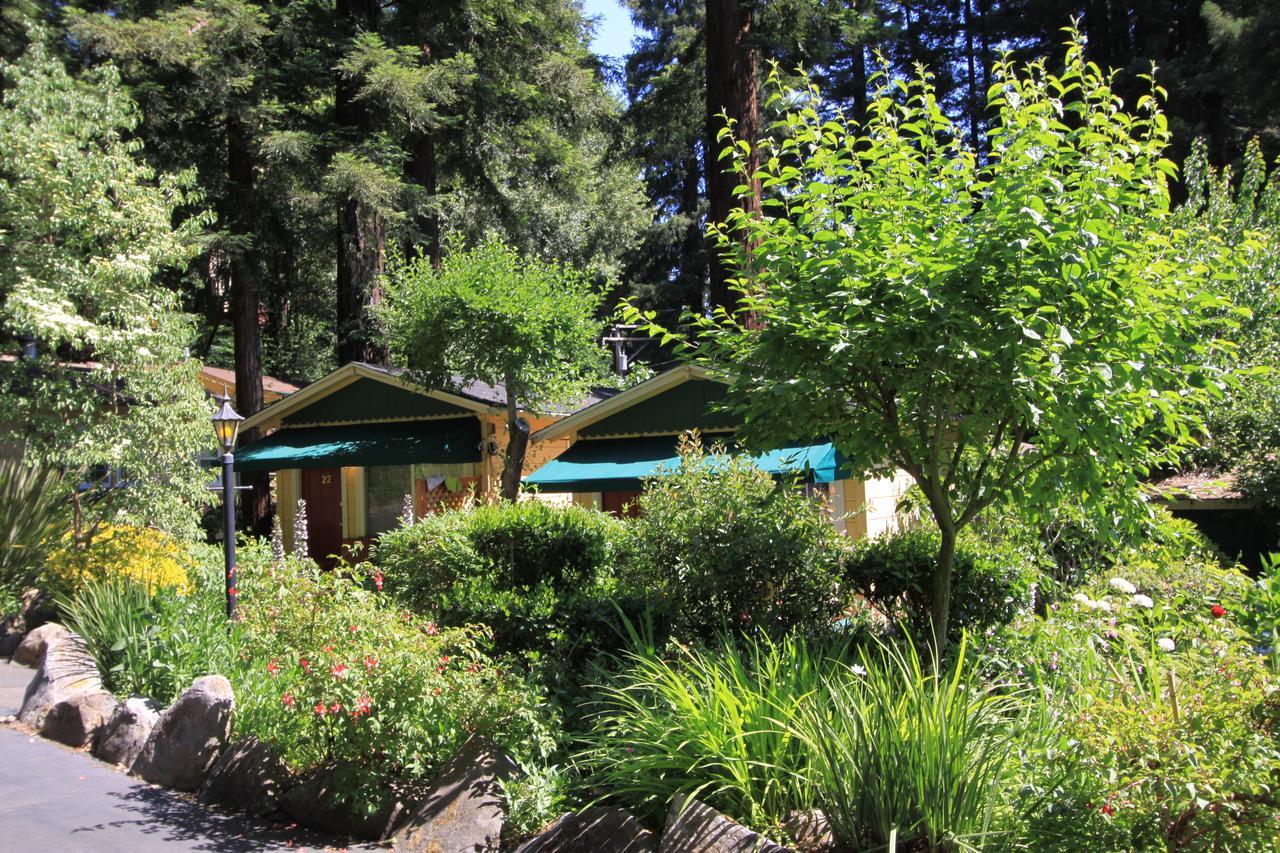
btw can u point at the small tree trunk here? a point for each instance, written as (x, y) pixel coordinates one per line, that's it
(517, 444)
(940, 592)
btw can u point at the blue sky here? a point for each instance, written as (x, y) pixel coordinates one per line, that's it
(613, 37)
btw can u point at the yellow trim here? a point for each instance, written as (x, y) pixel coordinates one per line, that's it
(288, 489)
(626, 399)
(353, 503)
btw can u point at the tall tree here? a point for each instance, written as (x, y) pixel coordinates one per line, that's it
(85, 230)
(1009, 327)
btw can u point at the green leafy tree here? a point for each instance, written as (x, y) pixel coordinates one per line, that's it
(1003, 328)
(85, 227)
(492, 315)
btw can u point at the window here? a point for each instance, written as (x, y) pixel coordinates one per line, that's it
(385, 490)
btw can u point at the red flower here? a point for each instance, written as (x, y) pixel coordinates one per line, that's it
(445, 658)
(329, 648)
(305, 664)
(335, 708)
(1108, 809)
(287, 700)
(273, 668)
(1218, 611)
(377, 580)
(363, 707)
(233, 592)
(353, 628)
(370, 662)
(339, 670)
(321, 710)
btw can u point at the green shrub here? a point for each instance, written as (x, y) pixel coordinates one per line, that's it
(336, 675)
(538, 576)
(719, 545)
(992, 580)
(908, 757)
(153, 642)
(711, 723)
(32, 517)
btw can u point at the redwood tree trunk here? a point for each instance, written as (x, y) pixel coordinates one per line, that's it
(733, 88)
(361, 231)
(246, 309)
(423, 170)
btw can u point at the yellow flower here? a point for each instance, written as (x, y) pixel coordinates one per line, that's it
(139, 553)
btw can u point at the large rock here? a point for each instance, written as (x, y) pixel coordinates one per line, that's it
(9, 643)
(248, 777)
(67, 671)
(189, 736)
(598, 830)
(35, 644)
(811, 831)
(76, 720)
(126, 732)
(693, 827)
(36, 608)
(463, 811)
(319, 803)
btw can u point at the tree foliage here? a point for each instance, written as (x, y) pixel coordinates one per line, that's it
(492, 315)
(1007, 327)
(85, 227)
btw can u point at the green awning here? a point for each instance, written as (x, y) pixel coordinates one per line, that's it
(621, 464)
(444, 441)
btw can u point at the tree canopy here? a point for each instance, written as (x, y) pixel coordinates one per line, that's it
(1016, 325)
(110, 397)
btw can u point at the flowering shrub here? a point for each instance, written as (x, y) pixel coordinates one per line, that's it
(335, 676)
(1163, 715)
(149, 557)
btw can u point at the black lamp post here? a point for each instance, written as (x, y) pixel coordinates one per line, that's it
(226, 424)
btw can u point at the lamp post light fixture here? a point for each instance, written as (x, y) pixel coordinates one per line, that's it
(226, 425)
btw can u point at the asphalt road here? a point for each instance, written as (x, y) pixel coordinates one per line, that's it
(64, 801)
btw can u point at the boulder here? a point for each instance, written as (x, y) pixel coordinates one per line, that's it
(811, 831)
(598, 830)
(693, 827)
(189, 736)
(36, 608)
(318, 803)
(126, 732)
(463, 810)
(77, 719)
(67, 670)
(248, 777)
(35, 644)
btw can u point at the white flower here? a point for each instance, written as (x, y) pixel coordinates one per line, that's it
(1081, 598)
(1122, 585)
(1165, 644)
(1142, 601)
(1102, 604)
(858, 670)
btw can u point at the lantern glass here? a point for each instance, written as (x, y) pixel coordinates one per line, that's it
(226, 424)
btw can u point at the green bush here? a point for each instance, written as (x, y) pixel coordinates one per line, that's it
(720, 546)
(992, 580)
(33, 515)
(712, 723)
(538, 576)
(335, 674)
(154, 641)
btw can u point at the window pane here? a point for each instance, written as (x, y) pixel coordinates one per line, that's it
(385, 488)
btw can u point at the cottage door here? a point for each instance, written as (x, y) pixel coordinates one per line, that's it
(322, 490)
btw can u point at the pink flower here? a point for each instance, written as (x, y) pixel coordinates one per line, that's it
(321, 710)
(305, 664)
(353, 628)
(335, 708)
(377, 580)
(432, 630)
(273, 668)
(339, 670)
(370, 662)
(363, 707)
(287, 700)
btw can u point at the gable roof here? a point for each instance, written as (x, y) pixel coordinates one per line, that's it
(593, 415)
(470, 398)
(214, 379)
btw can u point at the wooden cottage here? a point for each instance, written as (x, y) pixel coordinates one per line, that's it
(601, 453)
(354, 444)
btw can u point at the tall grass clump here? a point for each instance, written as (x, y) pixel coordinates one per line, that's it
(907, 754)
(716, 724)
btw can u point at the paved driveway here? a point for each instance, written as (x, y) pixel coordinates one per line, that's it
(59, 800)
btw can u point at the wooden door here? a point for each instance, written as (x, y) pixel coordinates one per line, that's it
(322, 490)
(621, 504)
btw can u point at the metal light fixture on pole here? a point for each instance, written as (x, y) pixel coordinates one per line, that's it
(226, 424)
